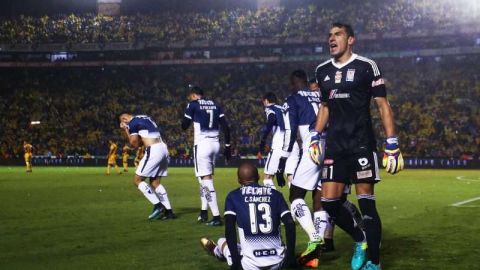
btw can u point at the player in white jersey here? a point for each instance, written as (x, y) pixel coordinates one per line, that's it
(141, 129)
(275, 124)
(257, 212)
(208, 118)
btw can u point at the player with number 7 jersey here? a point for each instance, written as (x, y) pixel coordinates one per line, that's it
(208, 118)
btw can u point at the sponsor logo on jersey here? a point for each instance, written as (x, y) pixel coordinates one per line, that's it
(350, 75)
(378, 82)
(335, 95)
(328, 161)
(338, 77)
(264, 252)
(326, 78)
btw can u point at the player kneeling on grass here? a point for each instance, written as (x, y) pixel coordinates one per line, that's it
(154, 163)
(256, 211)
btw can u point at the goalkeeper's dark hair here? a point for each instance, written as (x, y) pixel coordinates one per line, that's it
(195, 90)
(348, 28)
(270, 97)
(312, 81)
(300, 74)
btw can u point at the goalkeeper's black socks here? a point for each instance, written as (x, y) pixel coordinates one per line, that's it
(373, 226)
(342, 217)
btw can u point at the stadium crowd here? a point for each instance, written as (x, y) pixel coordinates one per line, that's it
(435, 101)
(394, 16)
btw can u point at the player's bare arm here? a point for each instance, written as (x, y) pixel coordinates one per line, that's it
(386, 115)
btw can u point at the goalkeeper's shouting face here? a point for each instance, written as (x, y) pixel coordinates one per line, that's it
(340, 40)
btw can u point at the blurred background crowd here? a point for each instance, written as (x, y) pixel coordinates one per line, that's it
(374, 16)
(435, 101)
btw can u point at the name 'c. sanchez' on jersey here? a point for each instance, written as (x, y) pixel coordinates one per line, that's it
(347, 89)
(205, 115)
(144, 126)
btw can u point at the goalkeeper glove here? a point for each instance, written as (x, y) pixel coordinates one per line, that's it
(392, 158)
(280, 172)
(315, 149)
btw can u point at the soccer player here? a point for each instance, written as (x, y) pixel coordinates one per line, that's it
(208, 118)
(142, 129)
(348, 82)
(112, 157)
(257, 211)
(28, 149)
(276, 125)
(139, 155)
(125, 155)
(301, 110)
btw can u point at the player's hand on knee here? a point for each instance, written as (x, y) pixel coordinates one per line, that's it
(392, 157)
(315, 149)
(227, 152)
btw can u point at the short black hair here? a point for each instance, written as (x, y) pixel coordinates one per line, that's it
(312, 81)
(300, 74)
(271, 97)
(195, 90)
(348, 28)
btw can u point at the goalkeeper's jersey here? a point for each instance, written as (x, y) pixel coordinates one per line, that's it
(258, 210)
(347, 89)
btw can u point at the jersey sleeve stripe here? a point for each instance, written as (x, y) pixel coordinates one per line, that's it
(221, 115)
(229, 213)
(133, 134)
(376, 71)
(284, 213)
(188, 116)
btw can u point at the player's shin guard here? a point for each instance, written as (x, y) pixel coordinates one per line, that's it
(373, 225)
(320, 221)
(342, 218)
(211, 196)
(163, 196)
(302, 213)
(148, 193)
(269, 183)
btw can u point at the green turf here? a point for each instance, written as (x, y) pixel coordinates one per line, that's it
(78, 218)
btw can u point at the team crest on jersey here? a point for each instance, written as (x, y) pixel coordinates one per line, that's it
(338, 76)
(350, 75)
(326, 78)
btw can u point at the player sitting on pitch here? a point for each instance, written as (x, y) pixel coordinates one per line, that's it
(257, 211)
(154, 164)
(276, 125)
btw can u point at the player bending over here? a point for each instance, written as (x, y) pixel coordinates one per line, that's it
(348, 82)
(28, 149)
(207, 117)
(154, 164)
(112, 157)
(257, 212)
(275, 124)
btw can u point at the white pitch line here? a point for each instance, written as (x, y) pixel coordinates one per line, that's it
(465, 202)
(463, 178)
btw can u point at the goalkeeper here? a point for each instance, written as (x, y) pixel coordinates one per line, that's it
(348, 82)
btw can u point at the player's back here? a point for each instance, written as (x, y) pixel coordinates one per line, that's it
(113, 148)
(27, 148)
(205, 115)
(278, 130)
(304, 106)
(144, 126)
(258, 211)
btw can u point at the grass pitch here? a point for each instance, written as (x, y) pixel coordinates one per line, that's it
(78, 218)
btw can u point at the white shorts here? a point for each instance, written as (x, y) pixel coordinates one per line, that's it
(292, 161)
(155, 161)
(204, 155)
(307, 174)
(273, 160)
